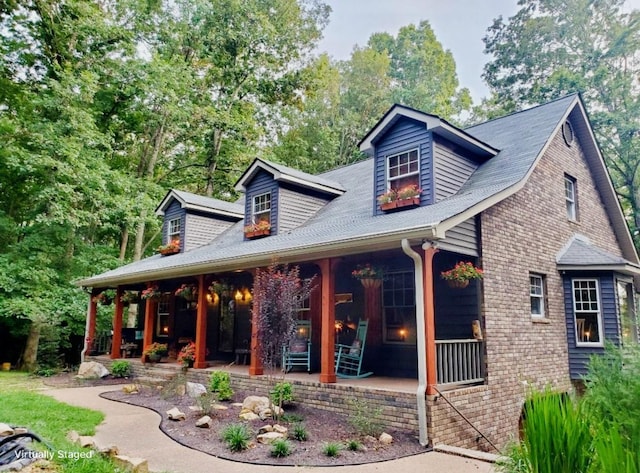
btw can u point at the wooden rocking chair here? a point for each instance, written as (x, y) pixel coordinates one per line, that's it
(349, 357)
(298, 353)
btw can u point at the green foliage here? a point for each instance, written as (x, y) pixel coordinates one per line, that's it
(365, 419)
(292, 417)
(45, 372)
(174, 387)
(282, 393)
(205, 402)
(281, 448)
(236, 436)
(299, 432)
(220, 384)
(332, 449)
(353, 445)
(121, 369)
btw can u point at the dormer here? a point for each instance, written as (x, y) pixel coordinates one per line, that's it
(416, 150)
(194, 220)
(279, 198)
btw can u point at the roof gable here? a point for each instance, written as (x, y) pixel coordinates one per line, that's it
(207, 205)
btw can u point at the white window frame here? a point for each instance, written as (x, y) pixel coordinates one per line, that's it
(388, 159)
(389, 338)
(163, 313)
(174, 229)
(258, 208)
(577, 312)
(570, 197)
(541, 295)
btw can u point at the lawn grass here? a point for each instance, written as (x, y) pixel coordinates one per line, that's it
(21, 405)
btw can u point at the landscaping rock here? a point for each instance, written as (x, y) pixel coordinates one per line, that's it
(236, 404)
(265, 428)
(107, 450)
(196, 409)
(204, 422)
(256, 404)
(280, 429)
(5, 430)
(219, 407)
(176, 414)
(92, 369)
(269, 437)
(135, 465)
(248, 415)
(385, 439)
(73, 436)
(20, 430)
(85, 441)
(130, 389)
(195, 389)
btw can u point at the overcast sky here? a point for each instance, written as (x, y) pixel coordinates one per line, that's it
(459, 25)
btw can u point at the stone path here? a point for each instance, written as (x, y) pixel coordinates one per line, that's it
(135, 431)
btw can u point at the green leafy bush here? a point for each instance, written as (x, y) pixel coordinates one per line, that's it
(282, 393)
(121, 369)
(291, 417)
(299, 432)
(236, 437)
(331, 449)
(220, 383)
(364, 418)
(354, 445)
(280, 448)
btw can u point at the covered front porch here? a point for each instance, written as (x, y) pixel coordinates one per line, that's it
(218, 318)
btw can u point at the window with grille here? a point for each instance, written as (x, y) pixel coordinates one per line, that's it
(262, 208)
(571, 197)
(399, 307)
(537, 295)
(403, 169)
(586, 312)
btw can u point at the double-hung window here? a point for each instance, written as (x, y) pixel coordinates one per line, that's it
(537, 295)
(162, 321)
(262, 208)
(403, 170)
(173, 229)
(399, 308)
(586, 312)
(570, 197)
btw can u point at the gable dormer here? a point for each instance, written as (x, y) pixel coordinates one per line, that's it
(279, 198)
(194, 220)
(412, 148)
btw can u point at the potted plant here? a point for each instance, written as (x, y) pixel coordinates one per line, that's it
(388, 200)
(409, 195)
(170, 248)
(257, 229)
(460, 275)
(155, 351)
(187, 355)
(188, 292)
(369, 275)
(152, 293)
(104, 298)
(130, 297)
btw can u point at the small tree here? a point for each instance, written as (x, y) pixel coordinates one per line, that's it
(278, 294)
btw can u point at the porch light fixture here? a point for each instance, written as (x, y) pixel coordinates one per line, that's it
(403, 334)
(165, 329)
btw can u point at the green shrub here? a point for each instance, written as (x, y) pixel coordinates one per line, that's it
(220, 383)
(331, 449)
(354, 445)
(45, 372)
(121, 369)
(291, 418)
(236, 436)
(365, 419)
(282, 393)
(299, 432)
(205, 402)
(280, 448)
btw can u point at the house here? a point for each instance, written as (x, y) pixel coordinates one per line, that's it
(526, 197)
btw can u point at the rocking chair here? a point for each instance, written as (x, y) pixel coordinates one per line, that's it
(349, 357)
(298, 352)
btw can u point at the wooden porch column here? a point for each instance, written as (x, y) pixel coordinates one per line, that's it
(201, 325)
(117, 325)
(90, 335)
(429, 316)
(151, 307)
(328, 318)
(255, 365)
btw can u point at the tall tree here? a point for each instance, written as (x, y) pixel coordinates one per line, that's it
(551, 48)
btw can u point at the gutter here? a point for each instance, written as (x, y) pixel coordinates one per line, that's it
(421, 343)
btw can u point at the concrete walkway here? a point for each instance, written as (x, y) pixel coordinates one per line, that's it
(135, 431)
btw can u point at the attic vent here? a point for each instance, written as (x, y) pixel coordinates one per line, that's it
(567, 133)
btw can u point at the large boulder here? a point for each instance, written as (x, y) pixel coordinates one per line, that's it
(256, 404)
(270, 437)
(195, 390)
(92, 369)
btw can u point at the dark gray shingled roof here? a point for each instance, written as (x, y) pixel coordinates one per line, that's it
(347, 224)
(201, 202)
(580, 252)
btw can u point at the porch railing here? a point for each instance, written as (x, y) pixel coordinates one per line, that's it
(459, 361)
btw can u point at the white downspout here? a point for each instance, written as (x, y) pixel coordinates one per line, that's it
(421, 343)
(86, 332)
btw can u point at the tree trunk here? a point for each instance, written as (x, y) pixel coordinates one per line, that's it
(30, 354)
(142, 221)
(123, 243)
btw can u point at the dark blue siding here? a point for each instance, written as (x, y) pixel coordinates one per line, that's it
(405, 135)
(262, 183)
(579, 356)
(173, 211)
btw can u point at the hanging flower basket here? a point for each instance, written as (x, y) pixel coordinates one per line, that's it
(130, 297)
(152, 293)
(457, 284)
(371, 283)
(189, 292)
(460, 275)
(369, 275)
(104, 298)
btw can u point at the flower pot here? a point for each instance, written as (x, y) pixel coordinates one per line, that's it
(388, 206)
(371, 282)
(154, 357)
(257, 233)
(410, 202)
(169, 251)
(457, 284)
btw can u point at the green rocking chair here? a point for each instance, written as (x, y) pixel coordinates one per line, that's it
(349, 357)
(298, 353)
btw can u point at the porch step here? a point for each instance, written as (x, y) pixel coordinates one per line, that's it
(468, 453)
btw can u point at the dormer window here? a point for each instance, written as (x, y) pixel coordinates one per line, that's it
(403, 170)
(262, 208)
(173, 229)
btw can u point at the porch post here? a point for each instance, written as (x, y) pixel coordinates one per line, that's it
(328, 318)
(150, 310)
(117, 325)
(90, 326)
(201, 325)
(429, 315)
(255, 364)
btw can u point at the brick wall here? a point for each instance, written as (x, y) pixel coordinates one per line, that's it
(523, 234)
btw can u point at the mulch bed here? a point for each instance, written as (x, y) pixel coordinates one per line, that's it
(322, 427)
